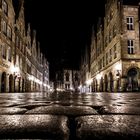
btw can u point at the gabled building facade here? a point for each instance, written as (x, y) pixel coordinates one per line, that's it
(7, 44)
(71, 79)
(115, 49)
(23, 67)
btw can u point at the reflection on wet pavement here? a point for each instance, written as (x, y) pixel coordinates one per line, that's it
(70, 116)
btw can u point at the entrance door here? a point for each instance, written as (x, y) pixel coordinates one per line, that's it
(3, 82)
(11, 83)
(132, 80)
(111, 82)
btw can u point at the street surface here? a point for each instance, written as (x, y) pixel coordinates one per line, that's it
(70, 116)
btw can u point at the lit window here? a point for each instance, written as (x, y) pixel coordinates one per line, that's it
(4, 26)
(4, 51)
(9, 54)
(130, 44)
(9, 32)
(130, 23)
(5, 7)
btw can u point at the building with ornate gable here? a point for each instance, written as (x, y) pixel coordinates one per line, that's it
(23, 67)
(115, 49)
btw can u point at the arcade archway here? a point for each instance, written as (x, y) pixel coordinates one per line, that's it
(132, 79)
(3, 82)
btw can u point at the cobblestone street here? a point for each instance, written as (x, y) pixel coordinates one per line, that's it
(68, 116)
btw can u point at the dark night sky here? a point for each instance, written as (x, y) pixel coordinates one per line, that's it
(63, 28)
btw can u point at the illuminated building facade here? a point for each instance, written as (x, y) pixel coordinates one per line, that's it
(68, 80)
(85, 80)
(71, 80)
(23, 68)
(115, 49)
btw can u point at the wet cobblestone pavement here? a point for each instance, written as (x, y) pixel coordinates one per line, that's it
(70, 116)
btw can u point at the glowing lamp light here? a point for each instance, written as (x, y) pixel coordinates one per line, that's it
(71, 88)
(99, 76)
(31, 78)
(14, 69)
(118, 67)
(80, 87)
(88, 82)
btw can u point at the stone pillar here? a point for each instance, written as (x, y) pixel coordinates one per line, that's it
(123, 84)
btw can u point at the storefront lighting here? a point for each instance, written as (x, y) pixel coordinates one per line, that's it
(99, 76)
(118, 67)
(88, 82)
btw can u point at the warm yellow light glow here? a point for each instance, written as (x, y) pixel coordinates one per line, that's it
(88, 82)
(118, 67)
(80, 87)
(59, 89)
(31, 78)
(14, 69)
(71, 88)
(99, 76)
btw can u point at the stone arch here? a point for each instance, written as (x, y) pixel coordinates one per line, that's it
(101, 85)
(3, 82)
(132, 79)
(23, 84)
(111, 81)
(93, 85)
(106, 83)
(96, 85)
(11, 82)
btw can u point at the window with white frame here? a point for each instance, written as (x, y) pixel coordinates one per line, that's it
(9, 32)
(20, 62)
(9, 54)
(4, 51)
(5, 7)
(4, 26)
(130, 23)
(130, 44)
(17, 59)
